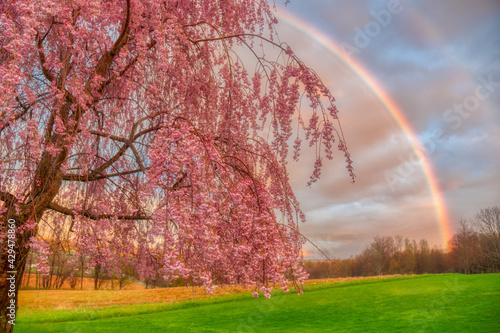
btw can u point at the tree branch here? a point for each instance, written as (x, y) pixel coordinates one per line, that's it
(93, 177)
(41, 57)
(16, 117)
(8, 198)
(66, 211)
(107, 58)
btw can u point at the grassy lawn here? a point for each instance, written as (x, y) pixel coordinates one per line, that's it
(428, 303)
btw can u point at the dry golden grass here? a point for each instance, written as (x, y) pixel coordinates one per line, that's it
(88, 284)
(73, 299)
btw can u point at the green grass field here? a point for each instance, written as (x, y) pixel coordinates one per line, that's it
(426, 303)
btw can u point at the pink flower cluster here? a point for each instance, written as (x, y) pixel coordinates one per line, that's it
(136, 126)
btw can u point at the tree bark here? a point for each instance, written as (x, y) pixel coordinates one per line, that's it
(12, 272)
(11, 276)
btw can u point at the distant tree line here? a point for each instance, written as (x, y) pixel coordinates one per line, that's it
(474, 248)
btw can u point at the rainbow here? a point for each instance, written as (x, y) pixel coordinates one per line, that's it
(442, 214)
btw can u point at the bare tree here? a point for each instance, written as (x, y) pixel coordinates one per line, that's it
(379, 253)
(487, 222)
(465, 250)
(423, 257)
(408, 257)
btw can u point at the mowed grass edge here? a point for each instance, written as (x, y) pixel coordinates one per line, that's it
(38, 316)
(443, 303)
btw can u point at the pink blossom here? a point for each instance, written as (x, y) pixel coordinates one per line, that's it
(137, 124)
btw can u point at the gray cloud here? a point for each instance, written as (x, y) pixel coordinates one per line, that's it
(432, 57)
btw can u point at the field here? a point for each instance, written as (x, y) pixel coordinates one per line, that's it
(426, 303)
(88, 284)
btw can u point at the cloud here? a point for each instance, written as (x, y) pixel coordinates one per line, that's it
(432, 57)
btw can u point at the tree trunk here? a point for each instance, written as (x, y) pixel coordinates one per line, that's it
(51, 272)
(96, 277)
(29, 270)
(12, 274)
(81, 282)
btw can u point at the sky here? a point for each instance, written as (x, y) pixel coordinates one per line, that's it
(417, 84)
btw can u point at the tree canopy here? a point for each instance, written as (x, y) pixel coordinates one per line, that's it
(140, 128)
